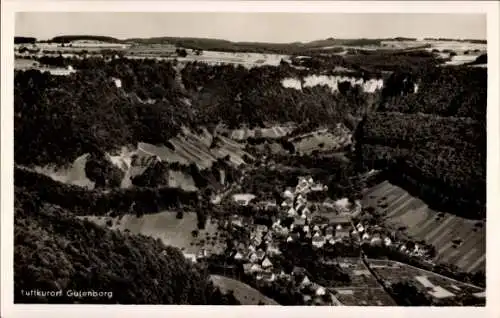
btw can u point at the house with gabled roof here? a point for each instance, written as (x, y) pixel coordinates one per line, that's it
(255, 268)
(288, 194)
(287, 203)
(299, 206)
(266, 263)
(305, 281)
(272, 249)
(318, 241)
(268, 276)
(260, 254)
(238, 256)
(252, 257)
(256, 241)
(387, 241)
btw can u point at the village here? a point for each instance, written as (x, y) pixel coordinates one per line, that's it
(318, 226)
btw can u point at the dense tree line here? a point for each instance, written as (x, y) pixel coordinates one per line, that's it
(116, 201)
(414, 61)
(69, 38)
(24, 40)
(405, 130)
(443, 160)
(234, 95)
(88, 111)
(445, 91)
(433, 142)
(55, 251)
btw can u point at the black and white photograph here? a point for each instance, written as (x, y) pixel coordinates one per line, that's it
(249, 158)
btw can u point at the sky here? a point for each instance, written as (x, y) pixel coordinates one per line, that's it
(258, 27)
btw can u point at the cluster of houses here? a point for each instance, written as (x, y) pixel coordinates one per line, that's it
(256, 253)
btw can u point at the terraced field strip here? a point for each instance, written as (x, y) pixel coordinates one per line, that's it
(390, 195)
(191, 156)
(395, 203)
(478, 263)
(234, 159)
(401, 208)
(438, 229)
(467, 258)
(198, 139)
(374, 192)
(163, 152)
(423, 223)
(229, 142)
(465, 233)
(427, 218)
(197, 149)
(426, 226)
(413, 217)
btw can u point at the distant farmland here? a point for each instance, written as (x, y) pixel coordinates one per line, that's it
(458, 241)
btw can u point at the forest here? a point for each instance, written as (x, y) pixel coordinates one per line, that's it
(80, 201)
(88, 111)
(137, 269)
(433, 142)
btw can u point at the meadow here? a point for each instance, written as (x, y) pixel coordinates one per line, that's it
(244, 293)
(169, 229)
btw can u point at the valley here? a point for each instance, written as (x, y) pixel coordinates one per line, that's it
(332, 173)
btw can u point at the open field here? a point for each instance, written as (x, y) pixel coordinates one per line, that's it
(26, 64)
(360, 275)
(75, 174)
(458, 241)
(435, 285)
(188, 148)
(272, 132)
(364, 290)
(170, 230)
(363, 296)
(321, 140)
(210, 57)
(243, 292)
(191, 148)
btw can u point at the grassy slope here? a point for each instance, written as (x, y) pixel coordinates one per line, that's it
(243, 292)
(425, 224)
